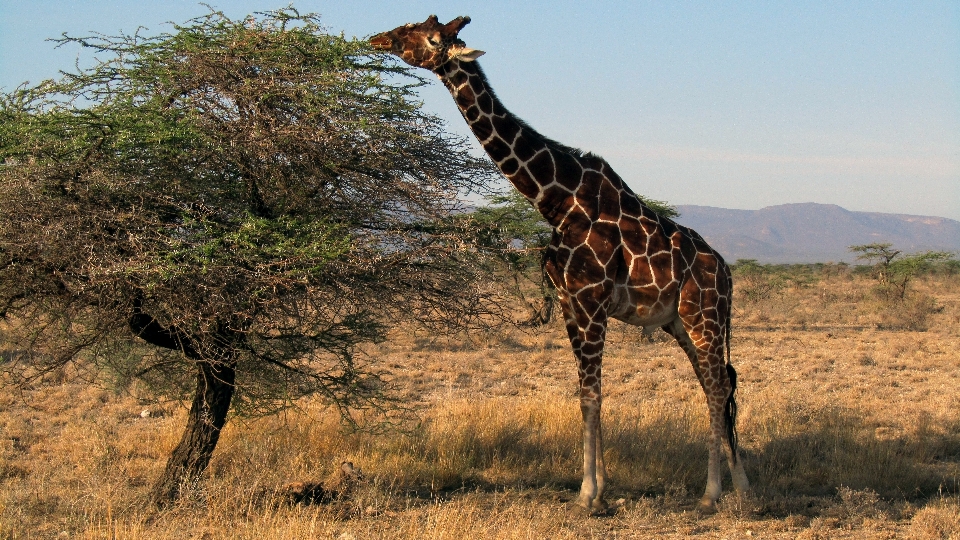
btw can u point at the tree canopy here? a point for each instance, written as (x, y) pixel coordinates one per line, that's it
(227, 210)
(894, 270)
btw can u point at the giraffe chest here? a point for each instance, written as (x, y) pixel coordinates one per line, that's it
(632, 275)
(600, 266)
(642, 296)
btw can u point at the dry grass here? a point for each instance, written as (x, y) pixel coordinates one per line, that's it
(850, 427)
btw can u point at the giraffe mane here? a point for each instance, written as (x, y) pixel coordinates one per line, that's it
(552, 144)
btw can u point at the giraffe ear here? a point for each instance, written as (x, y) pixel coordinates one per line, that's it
(468, 55)
(455, 26)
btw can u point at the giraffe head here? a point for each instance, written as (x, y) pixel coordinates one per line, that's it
(428, 44)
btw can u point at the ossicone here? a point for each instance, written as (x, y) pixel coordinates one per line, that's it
(457, 24)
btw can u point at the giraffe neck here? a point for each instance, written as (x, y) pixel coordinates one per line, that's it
(529, 160)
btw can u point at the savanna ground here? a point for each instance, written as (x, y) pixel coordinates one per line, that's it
(849, 427)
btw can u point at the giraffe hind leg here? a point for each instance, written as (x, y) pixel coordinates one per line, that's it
(718, 380)
(740, 482)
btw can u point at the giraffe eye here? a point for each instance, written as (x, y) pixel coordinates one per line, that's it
(434, 40)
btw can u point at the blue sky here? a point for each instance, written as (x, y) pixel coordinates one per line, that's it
(733, 104)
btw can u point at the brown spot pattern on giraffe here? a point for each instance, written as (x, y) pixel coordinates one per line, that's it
(507, 129)
(497, 148)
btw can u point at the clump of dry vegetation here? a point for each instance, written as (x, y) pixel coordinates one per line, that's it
(850, 427)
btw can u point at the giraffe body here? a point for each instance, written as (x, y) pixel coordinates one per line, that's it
(610, 256)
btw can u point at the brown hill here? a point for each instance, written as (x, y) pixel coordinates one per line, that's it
(811, 232)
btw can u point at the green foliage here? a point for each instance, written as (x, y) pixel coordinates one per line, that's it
(894, 270)
(259, 189)
(510, 227)
(661, 208)
(949, 267)
(755, 282)
(882, 253)
(515, 235)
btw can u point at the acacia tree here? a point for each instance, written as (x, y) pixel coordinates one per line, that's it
(228, 210)
(892, 269)
(514, 234)
(881, 254)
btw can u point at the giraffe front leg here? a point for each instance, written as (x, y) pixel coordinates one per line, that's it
(588, 487)
(586, 328)
(601, 474)
(598, 503)
(594, 471)
(588, 348)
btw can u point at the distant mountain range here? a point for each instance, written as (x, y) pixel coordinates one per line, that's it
(811, 232)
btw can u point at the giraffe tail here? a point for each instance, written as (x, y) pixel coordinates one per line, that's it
(730, 411)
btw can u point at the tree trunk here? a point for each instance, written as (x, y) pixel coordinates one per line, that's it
(541, 316)
(208, 414)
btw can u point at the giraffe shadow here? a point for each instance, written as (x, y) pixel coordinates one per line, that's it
(643, 458)
(838, 449)
(800, 467)
(811, 454)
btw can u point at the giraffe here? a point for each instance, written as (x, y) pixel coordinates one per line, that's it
(610, 256)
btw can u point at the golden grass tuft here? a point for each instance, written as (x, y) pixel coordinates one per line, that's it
(936, 521)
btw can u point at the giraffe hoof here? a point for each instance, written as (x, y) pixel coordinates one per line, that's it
(595, 508)
(590, 508)
(706, 507)
(600, 508)
(578, 509)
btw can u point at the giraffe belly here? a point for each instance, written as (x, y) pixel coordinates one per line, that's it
(649, 321)
(642, 308)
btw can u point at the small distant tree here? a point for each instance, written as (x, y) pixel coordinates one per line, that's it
(661, 208)
(881, 254)
(755, 282)
(224, 213)
(892, 269)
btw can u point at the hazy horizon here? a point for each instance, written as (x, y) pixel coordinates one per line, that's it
(812, 232)
(813, 203)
